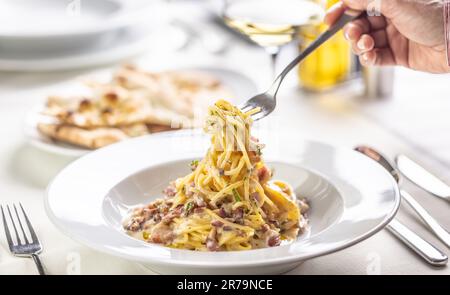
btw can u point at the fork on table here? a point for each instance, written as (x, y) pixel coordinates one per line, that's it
(22, 245)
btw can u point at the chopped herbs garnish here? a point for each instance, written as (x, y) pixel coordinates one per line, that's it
(194, 165)
(236, 195)
(188, 207)
(258, 150)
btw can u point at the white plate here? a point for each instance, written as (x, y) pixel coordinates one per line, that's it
(37, 19)
(41, 29)
(239, 85)
(116, 46)
(351, 199)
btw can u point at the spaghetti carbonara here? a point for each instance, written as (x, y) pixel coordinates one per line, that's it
(228, 202)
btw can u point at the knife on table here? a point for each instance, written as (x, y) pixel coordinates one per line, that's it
(423, 178)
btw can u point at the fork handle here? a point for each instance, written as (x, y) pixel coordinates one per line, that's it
(427, 251)
(38, 263)
(348, 16)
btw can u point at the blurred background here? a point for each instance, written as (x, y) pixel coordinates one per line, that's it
(47, 46)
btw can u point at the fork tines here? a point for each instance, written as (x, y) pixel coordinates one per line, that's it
(18, 225)
(246, 107)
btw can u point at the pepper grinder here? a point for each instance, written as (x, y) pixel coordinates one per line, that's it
(378, 82)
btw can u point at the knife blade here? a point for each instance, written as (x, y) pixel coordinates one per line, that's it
(423, 178)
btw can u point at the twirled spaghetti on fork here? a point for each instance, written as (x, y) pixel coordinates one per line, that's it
(228, 202)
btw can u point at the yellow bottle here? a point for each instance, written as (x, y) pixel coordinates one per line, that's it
(329, 64)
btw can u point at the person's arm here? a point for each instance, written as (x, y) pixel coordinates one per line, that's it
(446, 13)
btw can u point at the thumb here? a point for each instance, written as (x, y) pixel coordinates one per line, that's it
(371, 6)
(359, 4)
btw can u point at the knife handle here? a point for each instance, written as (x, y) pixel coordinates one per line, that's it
(427, 251)
(439, 231)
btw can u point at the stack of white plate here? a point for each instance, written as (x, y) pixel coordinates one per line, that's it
(44, 35)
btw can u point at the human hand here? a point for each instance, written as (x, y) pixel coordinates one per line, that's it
(408, 33)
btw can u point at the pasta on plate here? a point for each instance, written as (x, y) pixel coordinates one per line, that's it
(229, 201)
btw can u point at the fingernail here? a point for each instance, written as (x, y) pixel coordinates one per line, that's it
(346, 35)
(365, 58)
(360, 45)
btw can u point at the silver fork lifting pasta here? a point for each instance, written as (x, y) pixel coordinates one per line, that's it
(228, 202)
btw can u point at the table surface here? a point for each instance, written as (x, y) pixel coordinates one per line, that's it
(339, 118)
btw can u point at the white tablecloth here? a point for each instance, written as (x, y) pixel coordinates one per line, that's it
(26, 171)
